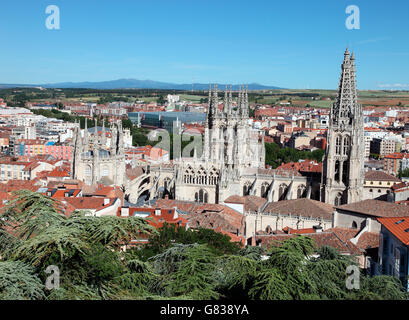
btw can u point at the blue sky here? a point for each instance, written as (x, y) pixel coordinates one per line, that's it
(292, 44)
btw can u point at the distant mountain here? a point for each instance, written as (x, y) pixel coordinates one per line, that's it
(135, 84)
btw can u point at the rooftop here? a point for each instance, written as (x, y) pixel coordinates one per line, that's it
(398, 226)
(376, 208)
(301, 207)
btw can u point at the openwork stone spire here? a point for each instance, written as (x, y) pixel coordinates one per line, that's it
(346, 104)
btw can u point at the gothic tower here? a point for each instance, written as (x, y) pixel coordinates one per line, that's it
(94, 160)
(343, 163)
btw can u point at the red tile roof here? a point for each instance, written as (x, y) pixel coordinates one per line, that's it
(377, 175)
(301, 207)
(86, 203)
(251, 203)
(376, 208)
(325, 238)
(398, 226)
(304, 166)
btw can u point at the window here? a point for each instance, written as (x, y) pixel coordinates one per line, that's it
(281, 191)
(354, 225)
(105, 171)
(264, 189)
(338, 200)
(400, 221)
(346, 146)
(300, 191)
(385, 245)
(202, 196)
(338, 145)
(337, 168)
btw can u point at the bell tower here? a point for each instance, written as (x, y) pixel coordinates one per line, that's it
(343, 163)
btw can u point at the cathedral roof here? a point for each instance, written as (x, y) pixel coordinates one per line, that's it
(251, 203)
(301, 207)
(376, 208)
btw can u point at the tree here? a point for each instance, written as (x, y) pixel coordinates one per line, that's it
(175, 264)
(18, 281)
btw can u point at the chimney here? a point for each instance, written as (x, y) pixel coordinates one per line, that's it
(106, 201)
(317, 229)
(124, 212)
(175, 214)
(157, 212)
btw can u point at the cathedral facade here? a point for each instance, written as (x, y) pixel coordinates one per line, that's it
(343, 164)
(97, 159)
(232, 162)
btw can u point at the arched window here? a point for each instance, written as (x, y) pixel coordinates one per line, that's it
(246, 188)
(346, 146)
(338, 200)
(188, 175)
(281, 191)
(337, 173)
(166, 183)
(202, 196)
(264, 189)
(345, 172)
(213, 176)
(300, 191)
(338, 145)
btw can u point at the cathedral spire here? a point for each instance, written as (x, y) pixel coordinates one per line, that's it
(239, 99)
(103, 137)
(215, 100)
(230, 100)
(86, 139)
(226, 101)
(246, 103)
(343, 163)
(209, 115)
(347, 102)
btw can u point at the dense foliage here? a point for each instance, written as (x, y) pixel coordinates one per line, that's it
(176, 264)
(275, 155)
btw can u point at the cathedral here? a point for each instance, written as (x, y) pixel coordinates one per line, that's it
(232, 158)
(343, 163)
(97, 159)
(232, 162)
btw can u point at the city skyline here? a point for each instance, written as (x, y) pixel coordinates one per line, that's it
(184, 42)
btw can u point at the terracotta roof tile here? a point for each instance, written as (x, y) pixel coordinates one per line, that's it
(302, 207)
(376, 175)
(398, 226)
(376, 208)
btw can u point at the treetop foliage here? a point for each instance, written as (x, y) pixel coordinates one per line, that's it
(175, 264)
